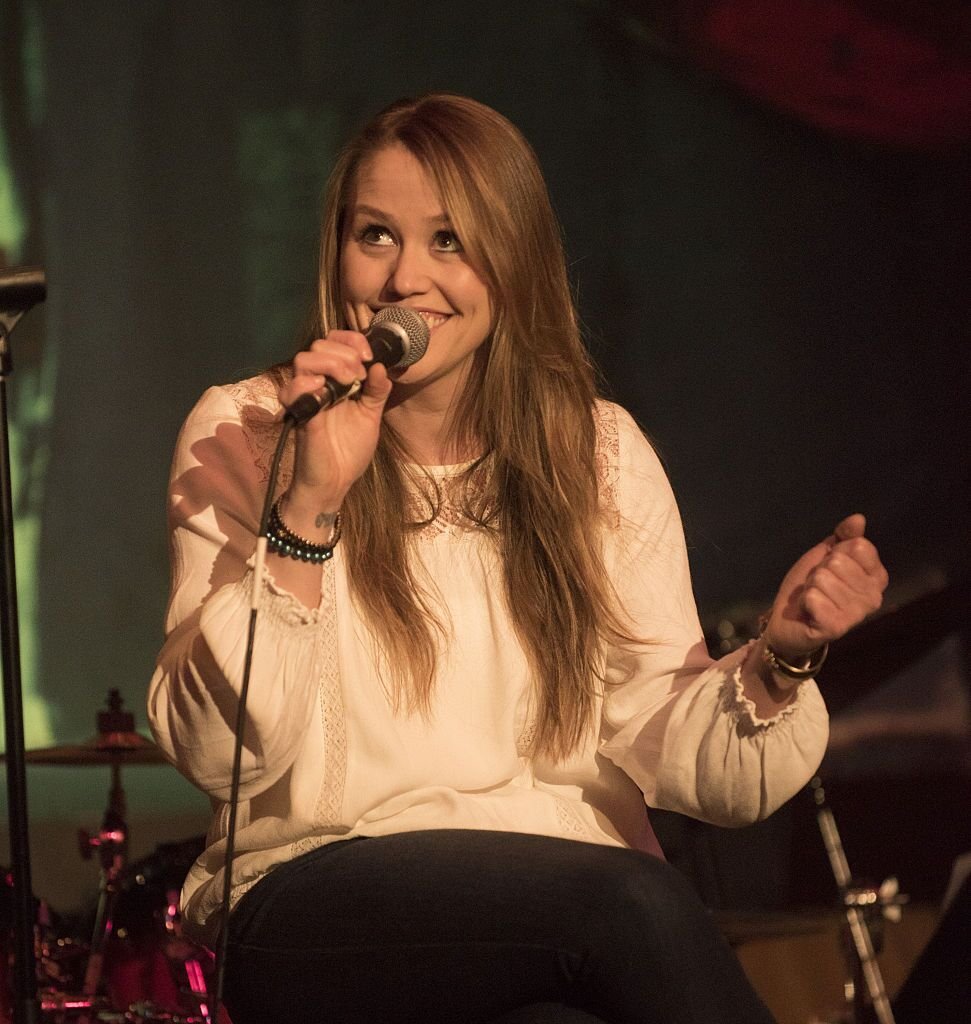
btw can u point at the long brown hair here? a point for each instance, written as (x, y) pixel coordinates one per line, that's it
(528, 407)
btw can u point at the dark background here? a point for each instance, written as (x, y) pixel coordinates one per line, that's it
(766, 222)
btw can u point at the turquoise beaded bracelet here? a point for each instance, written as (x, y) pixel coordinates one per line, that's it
(286, 543)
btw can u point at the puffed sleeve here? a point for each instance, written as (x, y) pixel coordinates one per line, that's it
(675, 721)
(216, 493)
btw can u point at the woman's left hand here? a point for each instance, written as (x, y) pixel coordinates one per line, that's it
(831, 589)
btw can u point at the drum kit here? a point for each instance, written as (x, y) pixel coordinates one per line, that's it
(137, 967)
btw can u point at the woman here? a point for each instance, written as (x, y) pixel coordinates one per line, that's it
(454, 723)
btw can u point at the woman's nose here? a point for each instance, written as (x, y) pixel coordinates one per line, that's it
(410, 273)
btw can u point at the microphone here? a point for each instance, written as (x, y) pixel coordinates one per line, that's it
(398, 337)
(21, 288)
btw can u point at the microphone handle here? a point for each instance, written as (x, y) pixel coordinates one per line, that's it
(386, 347)
(307, 406)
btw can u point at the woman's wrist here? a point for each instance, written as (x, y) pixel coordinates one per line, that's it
(284, 541)
(782, 670)
(311, 516)
(769, 691)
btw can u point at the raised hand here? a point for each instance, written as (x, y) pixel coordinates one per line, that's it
(833, 587)
(335, 446)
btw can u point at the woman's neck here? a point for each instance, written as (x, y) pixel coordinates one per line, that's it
(427, 432)
(426, 420)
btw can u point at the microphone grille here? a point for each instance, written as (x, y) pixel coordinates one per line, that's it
(414, 327)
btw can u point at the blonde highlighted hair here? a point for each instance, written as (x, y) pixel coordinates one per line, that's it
(527, 410)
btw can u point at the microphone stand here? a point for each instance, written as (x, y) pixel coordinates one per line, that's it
(26, 1009)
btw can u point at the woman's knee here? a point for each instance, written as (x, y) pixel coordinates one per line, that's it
(643, 897)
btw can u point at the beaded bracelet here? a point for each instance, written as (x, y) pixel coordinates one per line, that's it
(286, 543)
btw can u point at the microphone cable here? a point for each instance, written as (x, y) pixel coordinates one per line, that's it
(257, 591)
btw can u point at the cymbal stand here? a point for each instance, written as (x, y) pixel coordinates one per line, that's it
(866, 987)
(111, 842)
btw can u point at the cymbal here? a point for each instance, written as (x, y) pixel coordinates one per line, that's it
(105, 748)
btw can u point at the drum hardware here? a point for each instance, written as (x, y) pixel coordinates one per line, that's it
(111, 844)
(152, 963)
(116, 736)
(63, 1005)
(60, 960)
(148, 1013)
(191, 957)
(865, 908)
(64, 1008)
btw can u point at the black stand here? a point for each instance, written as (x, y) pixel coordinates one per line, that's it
(19, 290)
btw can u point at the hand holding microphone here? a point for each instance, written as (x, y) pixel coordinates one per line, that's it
(397, 336)
(333, 450)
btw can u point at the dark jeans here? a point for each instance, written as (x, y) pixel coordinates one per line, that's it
(469, 927)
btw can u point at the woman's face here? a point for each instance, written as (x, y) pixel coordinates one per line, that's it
(399, 248)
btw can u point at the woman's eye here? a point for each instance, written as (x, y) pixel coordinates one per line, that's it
(374, 234)
(446, 241)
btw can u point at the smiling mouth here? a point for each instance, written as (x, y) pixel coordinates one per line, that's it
(433, 319)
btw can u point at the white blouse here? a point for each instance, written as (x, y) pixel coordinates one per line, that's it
(326, 755)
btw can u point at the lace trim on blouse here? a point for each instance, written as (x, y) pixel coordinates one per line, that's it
(330, 799)
(441, 512)
(258, 407)
(607, 457)
(734, 703)
(569, 821)
(284, 610)
(437, 503)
